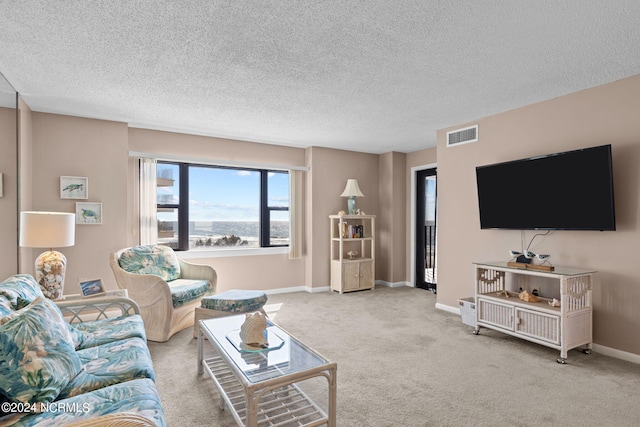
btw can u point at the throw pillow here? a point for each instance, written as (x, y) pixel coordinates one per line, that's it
(20, 290)
(72, 335)
(36, 360)
(151, 259)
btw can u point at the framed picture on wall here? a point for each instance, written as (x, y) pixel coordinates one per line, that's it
(88, 213)
(91, 287)
(74, 187)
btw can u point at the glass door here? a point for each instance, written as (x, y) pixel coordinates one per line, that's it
(426, 270)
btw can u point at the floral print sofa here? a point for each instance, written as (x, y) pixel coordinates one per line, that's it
(55, 373)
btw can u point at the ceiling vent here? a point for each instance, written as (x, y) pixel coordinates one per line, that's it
(462, 136)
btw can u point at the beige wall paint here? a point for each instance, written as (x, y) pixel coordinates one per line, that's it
(261, 272)
(25, 146)
(328, 173)
(393, 207)
(96, 149)
(205, 147)
(9, 200)
(602, 115)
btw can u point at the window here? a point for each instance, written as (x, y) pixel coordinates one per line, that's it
(203, 207)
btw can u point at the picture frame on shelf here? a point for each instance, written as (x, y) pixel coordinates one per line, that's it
(91, 287)
(89, 213)
(74, 187)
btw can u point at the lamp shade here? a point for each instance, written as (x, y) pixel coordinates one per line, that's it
(47, 229)
(352, 189)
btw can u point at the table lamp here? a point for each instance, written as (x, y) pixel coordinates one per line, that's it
(48, 230)
(352, 190)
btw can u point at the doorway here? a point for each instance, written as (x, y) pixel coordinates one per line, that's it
(426, 273)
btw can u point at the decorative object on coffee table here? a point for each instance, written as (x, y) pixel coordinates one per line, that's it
(252, 330)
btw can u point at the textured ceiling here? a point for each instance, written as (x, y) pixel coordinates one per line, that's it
(372, 76)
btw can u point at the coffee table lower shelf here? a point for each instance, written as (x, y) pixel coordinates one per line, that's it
(284, 405)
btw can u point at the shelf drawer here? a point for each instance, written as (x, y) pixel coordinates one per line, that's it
(495, 314)
(538, 325)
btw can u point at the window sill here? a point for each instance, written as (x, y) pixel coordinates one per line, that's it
(232, 252)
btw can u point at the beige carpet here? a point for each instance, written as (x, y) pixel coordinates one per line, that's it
(401, 362)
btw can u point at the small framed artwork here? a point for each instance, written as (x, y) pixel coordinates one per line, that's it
(91, 287)
(88, 213)
(74, 187)
(1, 193)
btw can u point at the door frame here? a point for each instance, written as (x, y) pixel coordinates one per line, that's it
(412, 246)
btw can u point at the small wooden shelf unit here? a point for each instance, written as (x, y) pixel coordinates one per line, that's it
(563, 328)
(357, 273)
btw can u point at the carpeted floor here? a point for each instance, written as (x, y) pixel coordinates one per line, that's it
(401, 362)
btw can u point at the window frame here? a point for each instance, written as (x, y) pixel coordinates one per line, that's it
(264, 217)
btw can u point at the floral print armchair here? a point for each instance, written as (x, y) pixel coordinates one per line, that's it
(167, 288)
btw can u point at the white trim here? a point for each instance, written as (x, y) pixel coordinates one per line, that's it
(448, 308)
(618, 354)
(232, 252)
(394, 284)
(412, 243)
(214, 162)
(606, 351)
(297, 289)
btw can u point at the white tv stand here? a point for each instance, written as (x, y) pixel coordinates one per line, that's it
(563, 328)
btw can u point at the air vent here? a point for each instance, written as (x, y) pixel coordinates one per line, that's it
(462, 136)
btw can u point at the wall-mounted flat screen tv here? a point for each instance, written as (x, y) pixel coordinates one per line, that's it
(572, 190)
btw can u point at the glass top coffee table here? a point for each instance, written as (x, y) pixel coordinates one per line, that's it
(262, 387)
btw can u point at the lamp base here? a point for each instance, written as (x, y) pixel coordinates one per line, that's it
(50, 269)
(351, 204)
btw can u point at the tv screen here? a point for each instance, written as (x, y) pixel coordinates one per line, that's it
(572, 190)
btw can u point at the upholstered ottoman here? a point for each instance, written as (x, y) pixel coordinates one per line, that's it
(229, 303)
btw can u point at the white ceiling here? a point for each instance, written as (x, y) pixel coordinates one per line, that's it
(369, 75)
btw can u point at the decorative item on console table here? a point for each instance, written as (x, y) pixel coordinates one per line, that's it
(91, 287)
(524, 260)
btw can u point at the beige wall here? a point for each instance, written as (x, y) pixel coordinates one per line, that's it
(261, 272)
(95, 149)
(391, 224)
(607, 114)
(9, 201)
(25, 147)
(328, 173)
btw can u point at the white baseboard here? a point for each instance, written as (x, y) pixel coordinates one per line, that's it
(597, 348)
(448, 308)
(618, 354)
(392, 284)
(297, 289)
